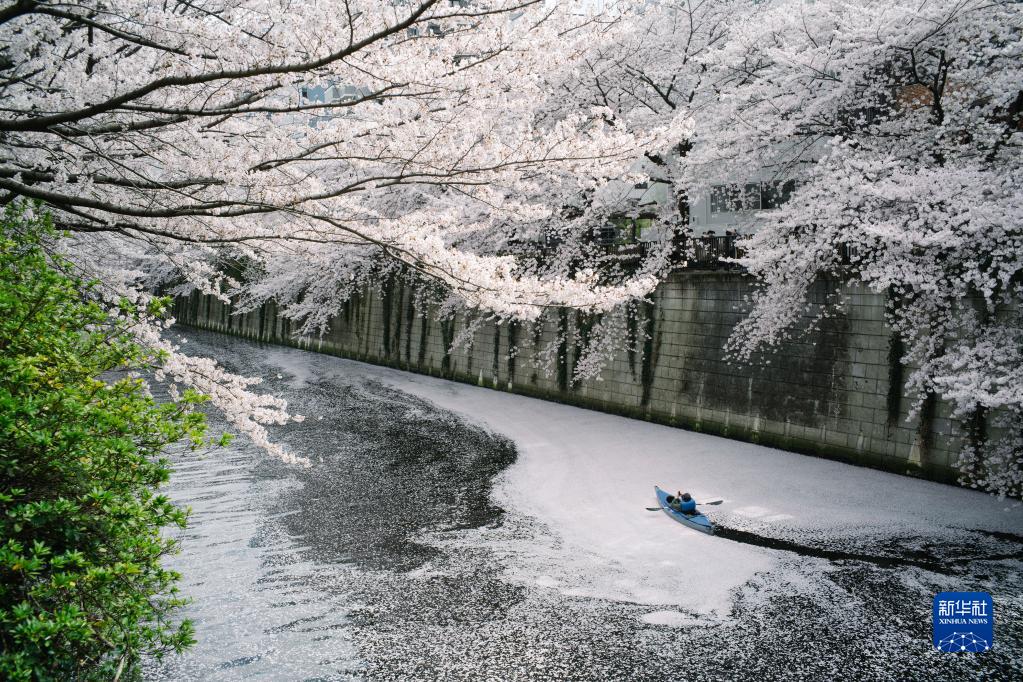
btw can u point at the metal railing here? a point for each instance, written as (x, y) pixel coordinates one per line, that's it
(708, 250)
(697, 252)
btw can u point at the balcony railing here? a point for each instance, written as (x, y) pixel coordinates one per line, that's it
(696, 252)
(708, 250)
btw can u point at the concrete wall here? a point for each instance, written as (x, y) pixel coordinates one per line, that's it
(834, 391)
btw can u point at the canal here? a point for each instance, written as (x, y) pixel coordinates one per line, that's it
(409, 550)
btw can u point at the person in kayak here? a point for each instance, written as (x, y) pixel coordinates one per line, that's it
(683, 502)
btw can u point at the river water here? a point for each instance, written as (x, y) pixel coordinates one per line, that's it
(370, 565)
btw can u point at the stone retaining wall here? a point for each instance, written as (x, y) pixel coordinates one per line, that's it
(835, 391)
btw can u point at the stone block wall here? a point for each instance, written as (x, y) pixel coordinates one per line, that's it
(833, 391)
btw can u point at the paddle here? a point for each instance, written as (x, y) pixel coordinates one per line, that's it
(701, 504)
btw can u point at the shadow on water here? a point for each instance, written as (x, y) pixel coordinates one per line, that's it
(344, 570)
(291, 568)
(902, 556)
(388, 467)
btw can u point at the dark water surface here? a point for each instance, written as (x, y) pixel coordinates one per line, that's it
(284, 562)
(364, 566)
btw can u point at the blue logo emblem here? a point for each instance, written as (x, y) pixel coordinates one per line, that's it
(964, 621)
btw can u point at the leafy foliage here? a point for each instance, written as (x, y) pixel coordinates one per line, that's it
(82, 591)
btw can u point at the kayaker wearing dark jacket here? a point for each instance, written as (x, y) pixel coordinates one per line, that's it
(684, 503)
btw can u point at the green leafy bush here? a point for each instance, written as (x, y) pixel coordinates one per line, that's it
(83, 594)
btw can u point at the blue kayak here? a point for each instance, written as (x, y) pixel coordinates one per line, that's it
(695, 521)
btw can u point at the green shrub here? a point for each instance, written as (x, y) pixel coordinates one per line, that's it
(83, 594)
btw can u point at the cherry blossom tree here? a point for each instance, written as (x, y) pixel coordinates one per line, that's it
(642, 75)
(308, 145)
(264, 149)
(903, 124)
(185, 124)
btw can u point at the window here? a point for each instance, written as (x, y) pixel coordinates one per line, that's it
(644, 226)
(721, 200)
(606, 235)
(624, 230)
(776, 193)
(752, 196)
(619, 230)
(734, 198)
